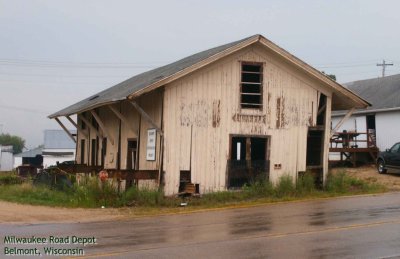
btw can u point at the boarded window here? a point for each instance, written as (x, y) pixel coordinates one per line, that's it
(251, 86)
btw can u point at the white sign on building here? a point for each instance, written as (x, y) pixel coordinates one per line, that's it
(151, 145)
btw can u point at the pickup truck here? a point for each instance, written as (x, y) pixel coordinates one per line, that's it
(390, 159)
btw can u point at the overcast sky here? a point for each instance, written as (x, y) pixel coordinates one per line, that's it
(54, 53)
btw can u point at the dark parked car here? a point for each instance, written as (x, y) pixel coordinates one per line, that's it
(389, 159)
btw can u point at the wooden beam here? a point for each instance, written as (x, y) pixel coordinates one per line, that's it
(102, 126)
(146, 116)
(65, 129)
(322, 109)
(90, 126)
(123, 118)
(76, 126)
(72, 121)
(343, 120)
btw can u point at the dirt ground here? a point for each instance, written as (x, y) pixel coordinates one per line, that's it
(21, 213)
(369, 173)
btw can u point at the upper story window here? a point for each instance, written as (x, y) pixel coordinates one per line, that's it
(251, 85)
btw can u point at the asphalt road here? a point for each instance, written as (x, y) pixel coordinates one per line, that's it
(356, 227)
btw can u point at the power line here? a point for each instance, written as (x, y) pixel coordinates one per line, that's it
(60, 82)
(44, 63)
(23, 109)
(346, 66)
(61, 76)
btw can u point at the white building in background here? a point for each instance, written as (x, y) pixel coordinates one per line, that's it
(58, 147)
(6, 158)
(382, 118)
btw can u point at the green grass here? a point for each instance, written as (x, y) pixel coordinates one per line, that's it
(93, 194)
(7, 178)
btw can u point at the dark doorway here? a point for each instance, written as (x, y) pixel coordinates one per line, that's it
(185, 177)
(83, 143)
(94, 152)
(103, 151)
(248, 160)
(371, 121)
(258, 149)
(131, 154)
(371, 130)
(315, 147)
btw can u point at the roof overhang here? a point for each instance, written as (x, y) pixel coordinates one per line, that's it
(367, 111)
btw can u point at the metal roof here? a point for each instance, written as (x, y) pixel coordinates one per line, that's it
(30, 153)
(58, 139)
(122, 90)
(382, 93)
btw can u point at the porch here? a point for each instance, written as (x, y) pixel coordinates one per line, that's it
(353, 145)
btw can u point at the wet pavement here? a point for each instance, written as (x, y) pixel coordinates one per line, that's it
(355, 227)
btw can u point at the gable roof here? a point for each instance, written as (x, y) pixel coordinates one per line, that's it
(382, 93)
(152, 79)
(58, 139)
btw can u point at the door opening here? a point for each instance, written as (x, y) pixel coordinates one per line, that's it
(314, 147)
(103, 151)
(371, 130)
(94, 152)
(82, 151)
(131, 154)
(249, 160)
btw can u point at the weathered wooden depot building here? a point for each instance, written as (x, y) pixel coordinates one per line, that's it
(217, 119)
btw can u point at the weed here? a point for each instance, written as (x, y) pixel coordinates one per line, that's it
(94, 193)
(10, 178)
(285, 187)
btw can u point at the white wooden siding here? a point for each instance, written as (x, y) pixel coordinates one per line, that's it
(387, 129)
(194, 104)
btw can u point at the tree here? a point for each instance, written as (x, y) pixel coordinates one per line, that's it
(331, 76)
(18, 143)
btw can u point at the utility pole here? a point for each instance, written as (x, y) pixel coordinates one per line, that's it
(383, 65)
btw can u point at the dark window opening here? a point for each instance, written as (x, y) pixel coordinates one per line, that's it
(82, 151)
(249, 161)
(132, 154)
(251, 86)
